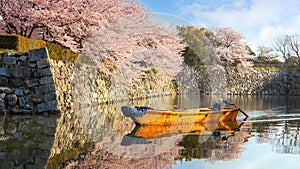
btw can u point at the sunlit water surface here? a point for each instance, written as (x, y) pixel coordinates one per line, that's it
(100, 137)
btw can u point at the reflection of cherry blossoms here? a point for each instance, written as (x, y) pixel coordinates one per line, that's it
(134, 36)
(100, 158)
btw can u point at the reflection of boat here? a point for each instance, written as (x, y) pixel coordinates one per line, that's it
(144, 116)
(143, 134)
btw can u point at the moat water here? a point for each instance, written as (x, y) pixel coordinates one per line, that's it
(100, 137)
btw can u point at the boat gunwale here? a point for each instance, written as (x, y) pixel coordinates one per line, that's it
(190, 112)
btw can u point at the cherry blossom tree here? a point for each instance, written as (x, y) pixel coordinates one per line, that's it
(68, 22)
(216, 45)
(136, 39)
(265, 54)
(228, 46)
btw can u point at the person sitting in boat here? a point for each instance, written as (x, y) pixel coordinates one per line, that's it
(136, 111)
(217, 104)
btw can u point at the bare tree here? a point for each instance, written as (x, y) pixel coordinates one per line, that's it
(282, 46)
(295, 47)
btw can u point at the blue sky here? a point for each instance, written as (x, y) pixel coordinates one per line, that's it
(261, 21)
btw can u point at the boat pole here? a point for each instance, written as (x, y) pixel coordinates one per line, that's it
(239, 110)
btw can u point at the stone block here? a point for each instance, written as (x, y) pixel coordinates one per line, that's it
(16, 109)
(42, 72)
(42, 63)
(37, 54)
(5, 90)
(23, 58)
(28, 106)
(11, 99)
(50, 96)
(20, 53)
(19, 92)
(2, 96)
(9, 61)
(16, 82)
(2, 104)
(3, 81)
(31, 82)
(20, 71)
(4, 72)
(22, 101)
(47, 106)
(37, 98)
(31, 64)
(46, 80)
(46, 88)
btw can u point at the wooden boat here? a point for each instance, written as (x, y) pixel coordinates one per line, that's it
(185, 116)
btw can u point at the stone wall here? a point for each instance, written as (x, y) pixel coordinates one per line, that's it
(26, 83)
(264, 82)
(31, 82)
(251, 82)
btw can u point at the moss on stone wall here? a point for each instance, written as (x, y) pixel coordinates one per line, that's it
(58, 52)
(18, 43)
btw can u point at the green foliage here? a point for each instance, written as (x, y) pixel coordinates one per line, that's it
(264, 62)
(195, 53)
(190, 57)
(267, 68)
(275, 68)
(250, 50)
(276, 61)
(152, 71)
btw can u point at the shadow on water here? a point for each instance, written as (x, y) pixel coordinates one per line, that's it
(97, 138)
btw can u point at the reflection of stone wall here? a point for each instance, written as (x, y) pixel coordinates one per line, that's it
(26, 141)
(77, 131)
(70, 140)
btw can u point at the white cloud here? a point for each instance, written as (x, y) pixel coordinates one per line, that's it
(261, 21)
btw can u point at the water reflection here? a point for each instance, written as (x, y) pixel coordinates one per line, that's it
(282, 135)
(97, 138)
(25, 141)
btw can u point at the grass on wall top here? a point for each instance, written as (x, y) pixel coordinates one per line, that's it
(17, 43)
